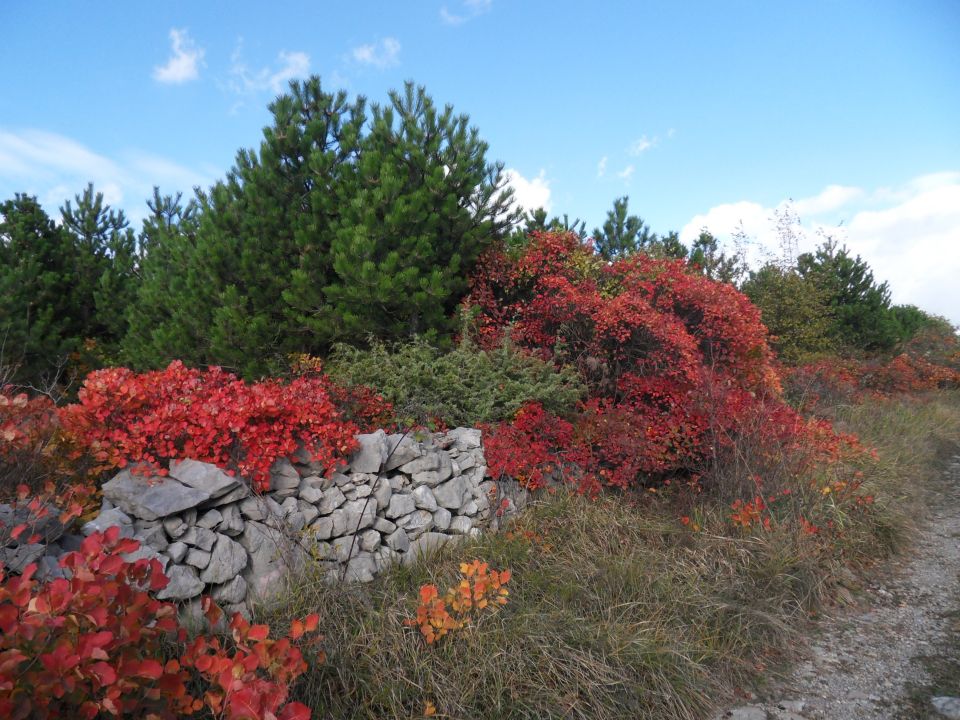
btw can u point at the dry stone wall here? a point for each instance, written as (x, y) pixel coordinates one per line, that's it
(398, 497)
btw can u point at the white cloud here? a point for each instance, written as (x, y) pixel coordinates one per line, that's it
(529, 194)
(642, 144)
(833, 197)
(909, 235)
(289, 66)
(471, 9)
(55, 168)
(602, 167)
(626, 173)
(184, 64)
(382, 54)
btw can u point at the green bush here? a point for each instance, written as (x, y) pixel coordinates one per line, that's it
(465, 387)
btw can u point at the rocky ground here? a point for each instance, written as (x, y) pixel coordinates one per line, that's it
(894, 654)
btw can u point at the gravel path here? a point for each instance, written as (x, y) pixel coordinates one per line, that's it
(896, 654)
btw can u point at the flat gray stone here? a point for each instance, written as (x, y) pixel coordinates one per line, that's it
(355, 515)
(424, 499)
(45, 522)
(441, 518)
(203, 476)
(153, 537)
(382, 493)
(461, 525)
(197, 558)
(430, 460)
(372, 453)
(108, 519)
(398, 541)
(283, 476)
(382, 525)
(231, 592)
(400, 505)
(227, 560)
(175, 527)
(210, 519)
(361, 568)
(199, 537)
(231, 522)
(401, 449)
(311, 494)
(16, 559)
(322, 528)
(369, 540)
(237, 494)
(947, 706)
(425, 546)
(150, 498)
(332, 499)
(451, 494)
(345, 548)
(416, 523)
(184, 583)
(177, 551)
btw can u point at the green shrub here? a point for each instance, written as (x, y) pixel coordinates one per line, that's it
(466, 386)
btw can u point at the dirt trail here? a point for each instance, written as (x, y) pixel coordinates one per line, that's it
(896, 656)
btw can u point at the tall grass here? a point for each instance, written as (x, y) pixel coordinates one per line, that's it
(617, 610)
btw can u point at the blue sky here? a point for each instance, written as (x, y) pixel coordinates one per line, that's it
(705, 114)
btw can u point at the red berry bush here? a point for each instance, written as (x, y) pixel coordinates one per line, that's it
(125, 418)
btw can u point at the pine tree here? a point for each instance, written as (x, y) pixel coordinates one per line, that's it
(39, 320)
(107, 257)
(427, 204)
(861, 307)
(622, 233)
(160, 330)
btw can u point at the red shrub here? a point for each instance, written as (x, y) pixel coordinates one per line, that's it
(94, 645)
(124, 418)
(672, 359)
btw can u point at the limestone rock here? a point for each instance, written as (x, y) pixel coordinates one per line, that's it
(177, 551)
(231, 523)
(441, 518)
(382, 493)
(354, 516)
(210, 519)
(15, 559)
(108, 519)
(361, 568)
(400, 505)
(332, 499)
(451, 493)
(199, 537)
(197, 558)
(204, 477)
(226, 561)
(424, 546)
(322, 528)
(460, 525)
(231, 592)
(947, 706)
(372, 453)
(175, 527)
(283, 476)
(311, 494)
(398, 541)
(401, 450)
(369, 540)
(184, 584)
(424, 498)
(416, 523)
(150, 498)
(382, 525)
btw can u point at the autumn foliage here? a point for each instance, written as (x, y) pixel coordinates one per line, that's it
(97, 644)
(479, 589)
(673, 360)
(125, 418)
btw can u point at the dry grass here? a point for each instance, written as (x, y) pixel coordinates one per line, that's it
(616, 610)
